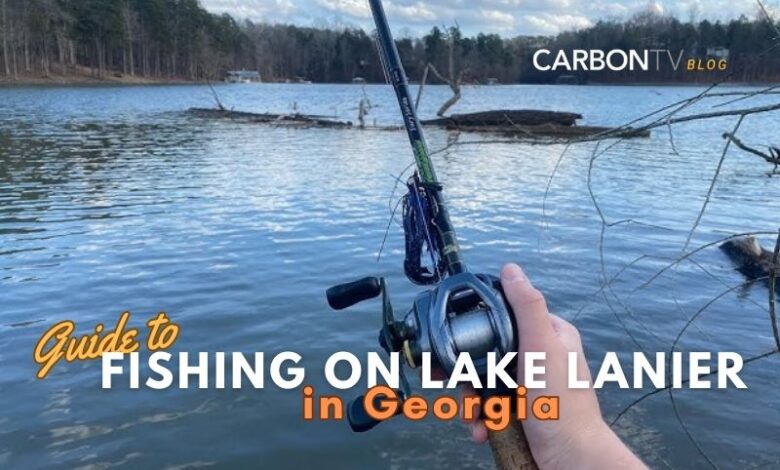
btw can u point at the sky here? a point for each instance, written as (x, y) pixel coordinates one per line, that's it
(505, 17)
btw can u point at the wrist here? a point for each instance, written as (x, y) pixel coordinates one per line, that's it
(591, 446)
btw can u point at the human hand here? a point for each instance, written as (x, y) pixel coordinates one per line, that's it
(580, 438)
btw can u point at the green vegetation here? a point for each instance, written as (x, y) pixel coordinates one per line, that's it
(178, 39)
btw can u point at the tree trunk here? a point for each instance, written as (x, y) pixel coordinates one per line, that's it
(72, 52)
(27, 67)
(15, 66)
(129, 39)
(6, 63)
(13, 53)
(60, 51)
(455, 87)
(99, 57)
(145, 55)
(45, 57)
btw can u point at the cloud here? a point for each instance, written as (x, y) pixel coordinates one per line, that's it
(498, 18)
(276, 11)
(505, 17)
(548, 23)
(353, 8)
(416, 12)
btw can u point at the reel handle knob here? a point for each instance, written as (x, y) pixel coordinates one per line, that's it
(350, 293)
(359, 419)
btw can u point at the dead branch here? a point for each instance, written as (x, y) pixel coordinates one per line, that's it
(702, 116)
(773, 157)
(713, 371)
(712, 185)
(775, 270)
(215, 95)
(769, 18)
(422, 85)
(693, 252)
(453, 82)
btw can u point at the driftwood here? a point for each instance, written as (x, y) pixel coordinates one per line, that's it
(553, 130)
(529, 123)
(750, 258)
(507, 117)
(296, 119)
(773, 157)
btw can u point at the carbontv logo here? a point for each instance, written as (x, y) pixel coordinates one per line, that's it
(618, 60)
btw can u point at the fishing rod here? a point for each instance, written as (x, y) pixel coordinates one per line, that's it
(464, 312)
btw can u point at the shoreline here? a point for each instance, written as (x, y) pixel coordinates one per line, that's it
(119, 80)
(77, 80)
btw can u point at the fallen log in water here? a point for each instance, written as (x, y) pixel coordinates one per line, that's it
(302, 120)
(554, 130)
(507, 117)
(750, 258)
(530, 123)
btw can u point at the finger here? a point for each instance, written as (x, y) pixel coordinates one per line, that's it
(438, 374)
(531, 315)
(477, 428)
(470, 412)
(479, 433)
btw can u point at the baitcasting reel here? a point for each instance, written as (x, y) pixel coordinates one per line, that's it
(464, 313)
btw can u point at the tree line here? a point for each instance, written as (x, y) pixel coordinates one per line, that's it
(149, 38)
(178, 39)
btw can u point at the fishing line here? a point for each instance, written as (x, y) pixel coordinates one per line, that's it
(387, 230)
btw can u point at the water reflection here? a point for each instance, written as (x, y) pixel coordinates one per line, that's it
(112, 200)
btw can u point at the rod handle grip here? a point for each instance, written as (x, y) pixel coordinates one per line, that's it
(350, 293)
(510, 448)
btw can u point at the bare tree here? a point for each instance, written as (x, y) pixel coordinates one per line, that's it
(454, 76)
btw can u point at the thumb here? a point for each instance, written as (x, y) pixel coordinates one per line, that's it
(533, 321)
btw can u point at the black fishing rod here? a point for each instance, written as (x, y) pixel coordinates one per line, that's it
(426, 184)
(464, 312)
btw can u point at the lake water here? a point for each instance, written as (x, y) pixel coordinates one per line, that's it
(114, 199)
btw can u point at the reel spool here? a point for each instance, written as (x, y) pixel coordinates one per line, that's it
(465, 313)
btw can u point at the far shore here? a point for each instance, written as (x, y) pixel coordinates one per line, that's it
(110, 79)
(118, 79)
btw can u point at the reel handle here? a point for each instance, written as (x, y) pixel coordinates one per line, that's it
(359, 420)
(348, 294)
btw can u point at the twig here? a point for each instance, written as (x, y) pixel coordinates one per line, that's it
(549, 184)
(714, 370)
(738, 143)
(422, 85)
(764, 91)
(693, 252)
(712, 185)
(769, 18)
(774, 270)
(772, 158)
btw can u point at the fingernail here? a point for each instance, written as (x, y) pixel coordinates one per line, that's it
(513, 273)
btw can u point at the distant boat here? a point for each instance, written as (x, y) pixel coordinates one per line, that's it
(298, 80)
(359, 81)
(569, 80)
(242, 76)
(492, 81)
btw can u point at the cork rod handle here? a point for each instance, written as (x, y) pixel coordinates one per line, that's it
(510, 448)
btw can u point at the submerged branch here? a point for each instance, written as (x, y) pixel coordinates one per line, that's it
(775, 270)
